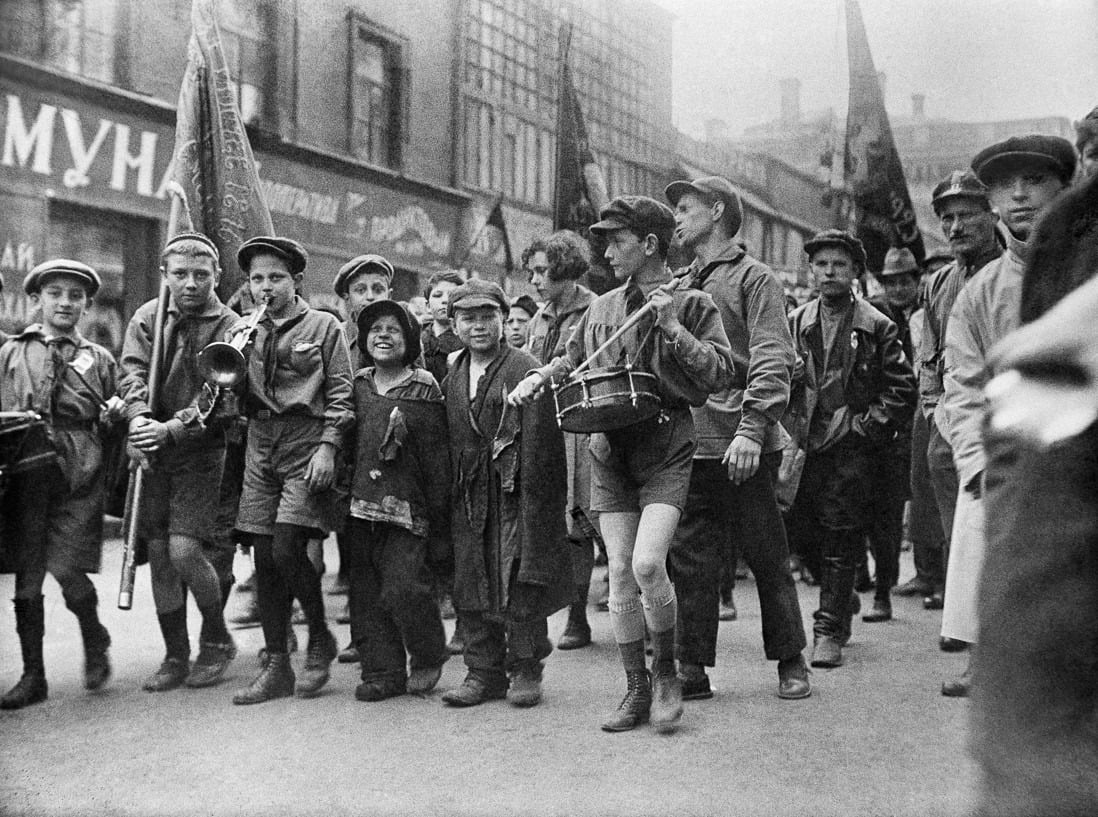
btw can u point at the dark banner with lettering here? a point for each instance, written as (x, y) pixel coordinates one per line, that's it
(883, 215)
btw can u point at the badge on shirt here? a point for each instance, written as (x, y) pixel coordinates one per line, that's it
(303, 346)
(854, 341)
(83, 361)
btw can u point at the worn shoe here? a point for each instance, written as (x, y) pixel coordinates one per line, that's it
(635, 708)
(472, 692)
(379, 689)
(319, 656)
(30, 689)
(666, 703)
(97, 664)
(827, 652)
(349, 655)
(275, 680)
(959, 687)
(881, 611)
(727, 611)
(210, 666)
(575, 636)
(291, 648)
(917, 586)
(695, 683)
(793, 679)
(934, 601)
(172, 673)
(952, 644)
(423, 679)
(525, 688)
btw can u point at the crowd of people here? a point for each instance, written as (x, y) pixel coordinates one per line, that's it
(444, 442)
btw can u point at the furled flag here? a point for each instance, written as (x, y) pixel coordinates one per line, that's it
(883, 215)
(495, 221)
(213, 160)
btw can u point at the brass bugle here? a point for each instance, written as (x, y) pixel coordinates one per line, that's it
(222, 363)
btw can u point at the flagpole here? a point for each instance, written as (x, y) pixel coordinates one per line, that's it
(563, 49)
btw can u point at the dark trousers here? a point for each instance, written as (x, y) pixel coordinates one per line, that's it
(718, 513)
(392, 604)
(891, 464)
(943, 477)
(924, 525)
(495, 644)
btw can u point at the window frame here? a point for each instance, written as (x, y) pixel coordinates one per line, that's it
(397, 49)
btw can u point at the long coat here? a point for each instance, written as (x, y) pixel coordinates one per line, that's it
(509, 492)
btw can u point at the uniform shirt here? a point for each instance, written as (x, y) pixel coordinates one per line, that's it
(181, 385)
(299, 365)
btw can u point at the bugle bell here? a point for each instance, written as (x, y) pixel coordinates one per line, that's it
(222, 363)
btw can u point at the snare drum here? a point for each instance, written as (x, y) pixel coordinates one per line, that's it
(606, 400)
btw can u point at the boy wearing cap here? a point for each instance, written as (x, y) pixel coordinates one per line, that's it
(555, 265)
(184, 456)
(731, 504)
(512, 567)
(1023, 175)
(968, 223)
(300, 408)
(400, 504)
(361, 281)
(640, 473)
(53, 514)
(855, 394)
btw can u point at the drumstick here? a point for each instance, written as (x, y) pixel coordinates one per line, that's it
(630, 322)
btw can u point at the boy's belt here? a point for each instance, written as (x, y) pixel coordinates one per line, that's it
(73, 424)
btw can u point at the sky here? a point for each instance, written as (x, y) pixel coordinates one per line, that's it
(975, 60)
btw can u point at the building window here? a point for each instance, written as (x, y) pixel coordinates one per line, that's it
(378, 94)
(246, 36)
(77, 36)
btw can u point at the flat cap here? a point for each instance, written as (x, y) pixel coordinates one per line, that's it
(959, 184)
(409, 327)
(710, 186)
(200, 238)
(836, 238)
(38, 276)
(285, 248)
(477, 292)
(1032, 150)
(899, 261)
(357, 265)
(637, 213)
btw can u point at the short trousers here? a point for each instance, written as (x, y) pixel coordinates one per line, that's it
(275, 491)
(643, 464)
(181, 494)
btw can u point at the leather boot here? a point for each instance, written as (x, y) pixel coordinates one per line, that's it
(577, 632)
(635, 708)
(30, 623)
(276, 680)
(525, 688)
(827, 652)
(97, 665)
(666, 702)
(319, 656)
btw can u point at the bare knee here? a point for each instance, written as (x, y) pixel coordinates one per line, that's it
(648, 570)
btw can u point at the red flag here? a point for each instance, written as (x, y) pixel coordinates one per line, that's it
(883, 215)
(213, 160)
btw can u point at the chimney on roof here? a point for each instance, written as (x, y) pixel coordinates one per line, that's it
(791, 103)
(918, 107)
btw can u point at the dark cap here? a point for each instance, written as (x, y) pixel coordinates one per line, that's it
(477, 292)
(357, 265)
(836, 238)
(959, 184)
(285, 248)
(1036, 149)
(899, 261)
(710, 186)
(409, 327)
(200, 238)
(38, 276)
(640, 214)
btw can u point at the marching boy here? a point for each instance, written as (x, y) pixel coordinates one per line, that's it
(299, 408)
(186, 458)
(400, 502)
(53, 515)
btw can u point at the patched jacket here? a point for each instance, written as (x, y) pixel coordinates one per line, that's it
(877, 381)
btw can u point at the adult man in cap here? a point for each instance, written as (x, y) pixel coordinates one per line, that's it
(512, 560)
(961, 203)
(731, 504)
(641, 472)
(855, 395)
(1024, 175)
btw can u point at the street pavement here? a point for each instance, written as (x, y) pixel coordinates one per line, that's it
(875, 738)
